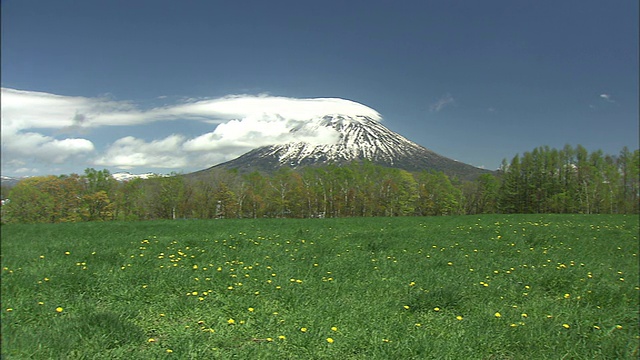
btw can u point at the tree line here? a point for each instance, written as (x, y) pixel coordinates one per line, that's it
(545, 180)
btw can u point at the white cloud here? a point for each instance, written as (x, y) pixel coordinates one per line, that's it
(444, 101)
(30, 109)
(243, 122)
(252, 132)
(40, 148)
(607, 98)
(130, 152)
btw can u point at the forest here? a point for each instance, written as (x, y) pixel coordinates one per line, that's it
(544, 180)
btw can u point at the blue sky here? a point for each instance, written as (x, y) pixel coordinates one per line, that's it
(182, 85)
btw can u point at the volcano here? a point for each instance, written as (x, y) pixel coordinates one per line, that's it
(361, 138)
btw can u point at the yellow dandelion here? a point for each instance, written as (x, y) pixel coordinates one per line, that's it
(566, 296)
(250, 309)
(459, 318)
(406, 307)
(282, 337)
(59, 309)
(498, 315)
(269, 339)
(231, 321)
(151, 340)
(619, 327)
(566, 326)
(169, 351)
(436, 309)
(333, 328)
(524, 315)
(304, 329)
(330, 340)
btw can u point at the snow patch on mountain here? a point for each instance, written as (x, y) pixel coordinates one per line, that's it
(126, 176)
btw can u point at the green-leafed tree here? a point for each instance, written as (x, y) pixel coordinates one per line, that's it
(130, 197)
(481, 195)
(30, 202)
(164, 196)
(437, 195)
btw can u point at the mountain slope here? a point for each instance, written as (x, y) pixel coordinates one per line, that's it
(360, 138)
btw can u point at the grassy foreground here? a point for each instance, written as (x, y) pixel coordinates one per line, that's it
(488, 287)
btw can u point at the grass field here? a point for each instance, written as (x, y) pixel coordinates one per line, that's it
(488, 287)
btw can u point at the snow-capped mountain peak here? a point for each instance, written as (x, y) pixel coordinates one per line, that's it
(359, 138)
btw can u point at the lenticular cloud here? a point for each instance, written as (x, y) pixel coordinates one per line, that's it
(29, 109)
(244, 106)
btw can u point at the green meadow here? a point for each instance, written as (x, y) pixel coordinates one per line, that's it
(459, 287)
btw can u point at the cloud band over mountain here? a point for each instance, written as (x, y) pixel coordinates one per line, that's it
(36, 128)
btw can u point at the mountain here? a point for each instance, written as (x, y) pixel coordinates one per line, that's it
(10, 181)
(360, 138)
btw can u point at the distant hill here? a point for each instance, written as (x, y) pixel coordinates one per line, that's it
(10, 181)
